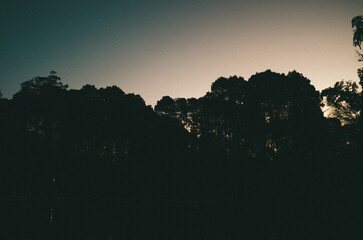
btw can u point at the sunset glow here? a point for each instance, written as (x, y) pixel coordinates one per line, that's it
(175, 48)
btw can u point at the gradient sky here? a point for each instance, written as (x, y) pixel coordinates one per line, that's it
(175, 48)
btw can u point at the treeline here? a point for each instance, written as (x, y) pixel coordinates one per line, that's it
(262, 144)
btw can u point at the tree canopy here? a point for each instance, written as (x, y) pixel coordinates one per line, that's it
(344, 99)
(357, 25)
(42, 85)
(252, 145)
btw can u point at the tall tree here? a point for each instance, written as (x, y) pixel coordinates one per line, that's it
(357, 25)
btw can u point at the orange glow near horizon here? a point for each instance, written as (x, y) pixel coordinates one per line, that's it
(179, 49)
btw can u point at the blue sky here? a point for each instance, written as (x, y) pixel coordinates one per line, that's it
(175, 48)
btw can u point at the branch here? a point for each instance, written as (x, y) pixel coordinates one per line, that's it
(359, 55)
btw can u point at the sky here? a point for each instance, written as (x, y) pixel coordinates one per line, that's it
(174, 48)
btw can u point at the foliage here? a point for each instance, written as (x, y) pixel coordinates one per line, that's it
(357, 25)
(42, 85)
(344, 99)
(248, 150)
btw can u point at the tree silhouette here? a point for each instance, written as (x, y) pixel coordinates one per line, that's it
(357, 25)
(344, 99)
(39, 85)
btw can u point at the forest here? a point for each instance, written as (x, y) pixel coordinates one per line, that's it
(265, 158)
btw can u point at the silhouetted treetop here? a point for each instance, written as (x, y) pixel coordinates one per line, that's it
(166, 104)
(344, 101)
(229, 89)
(357, 25)
(42, 85)
(281, 88)
(88, 88)
(230, 84)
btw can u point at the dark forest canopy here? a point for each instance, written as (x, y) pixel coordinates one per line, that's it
(256, 143)
(266, 117)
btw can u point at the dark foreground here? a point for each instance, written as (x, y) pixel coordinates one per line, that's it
(96, 218)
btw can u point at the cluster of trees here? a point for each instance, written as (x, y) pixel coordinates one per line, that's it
(263, 143)
(103, 141)
(80, 142)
